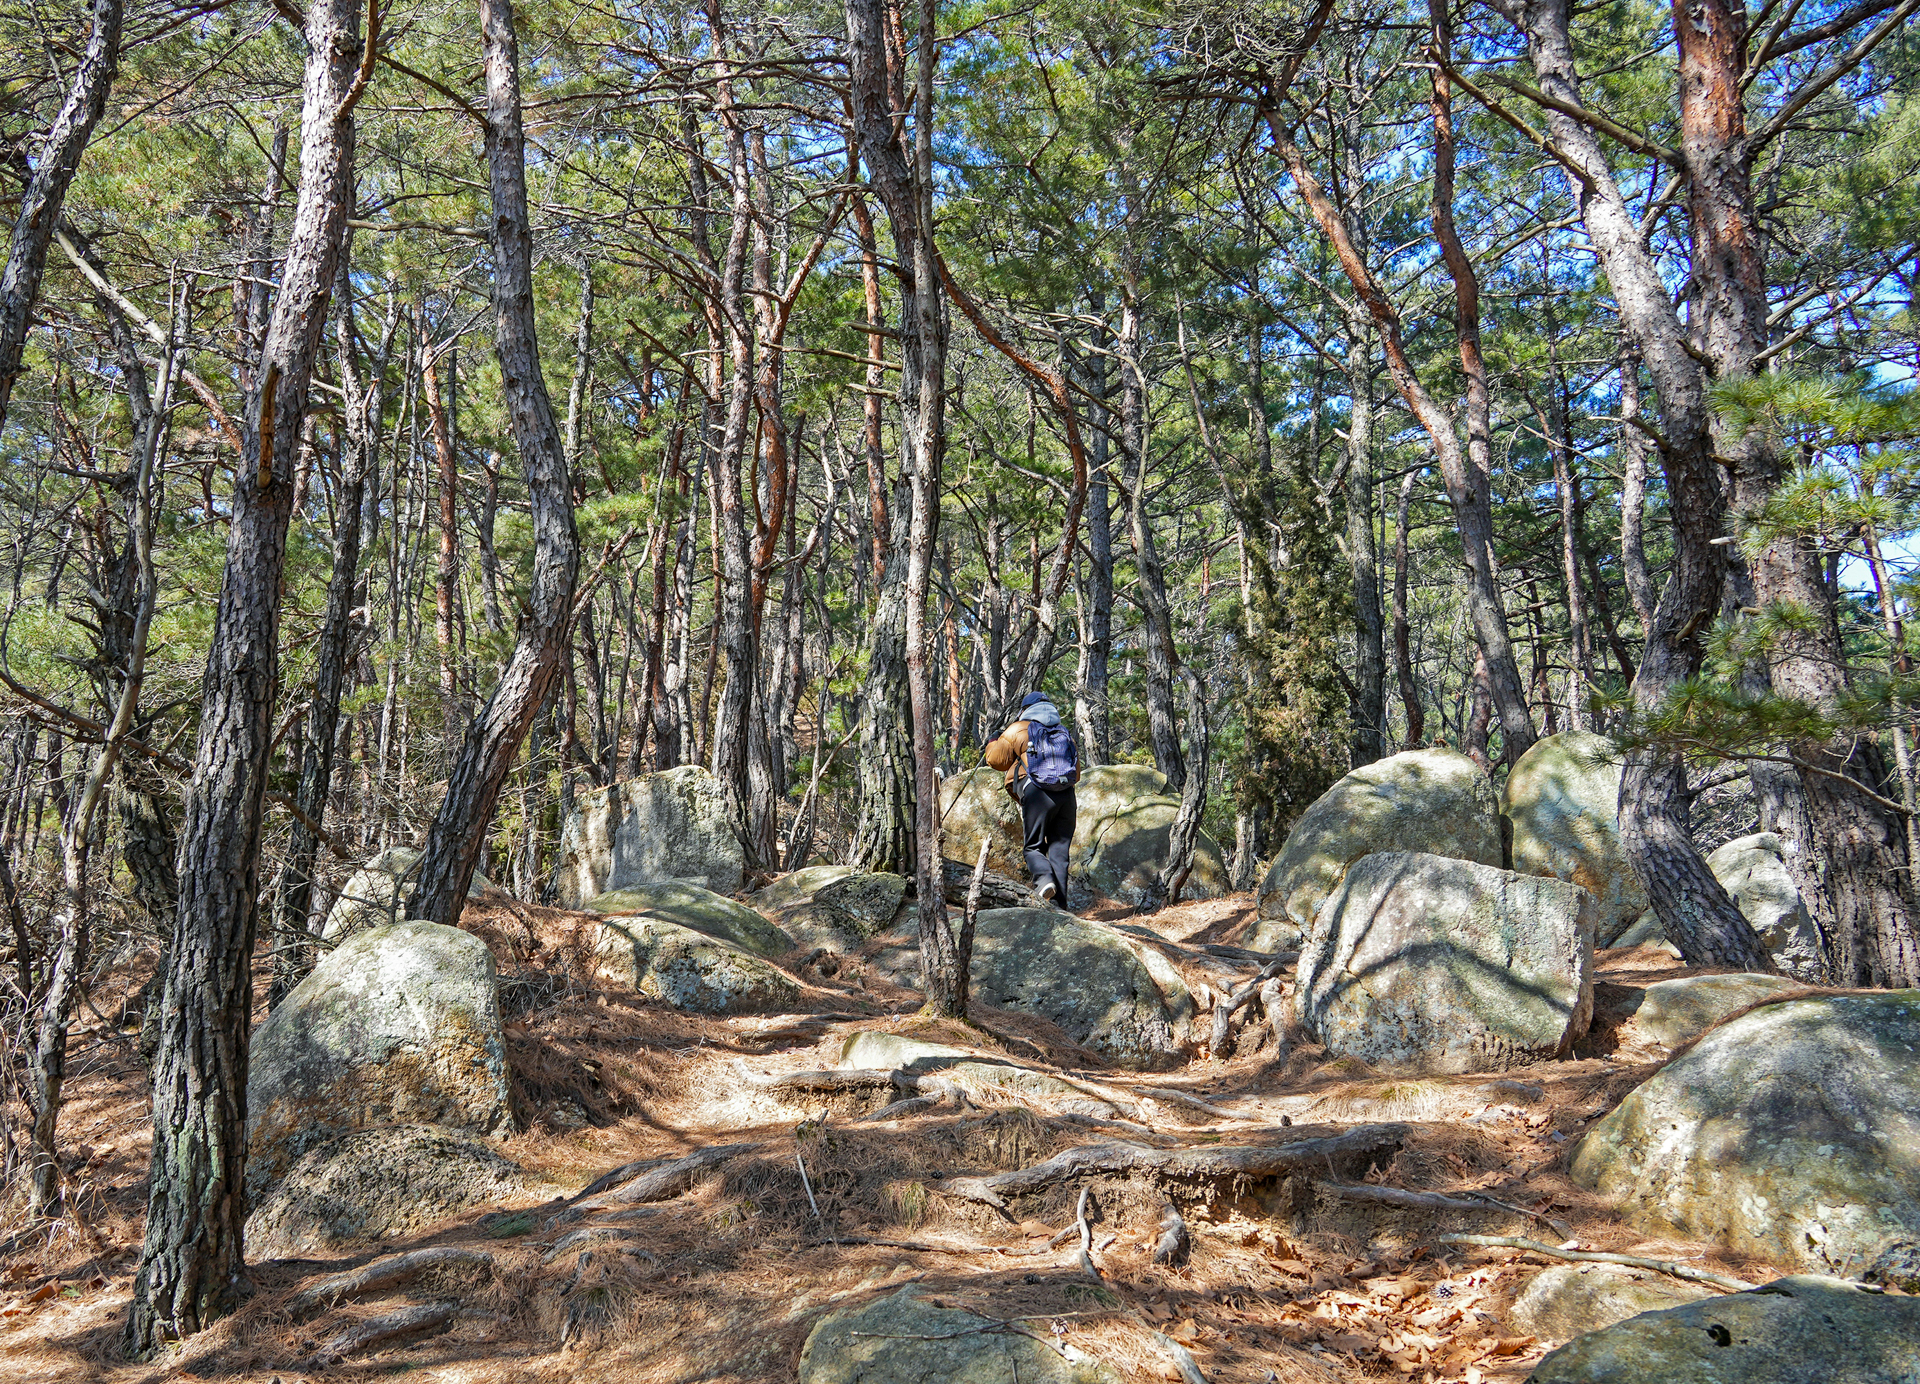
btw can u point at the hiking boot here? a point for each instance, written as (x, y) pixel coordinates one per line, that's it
(1046, 890)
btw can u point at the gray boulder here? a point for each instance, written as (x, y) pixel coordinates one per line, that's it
(1791, 1133)
(1433, 801)
(905, 1339)
(690, 969)
(700, 909)
(1793, 1331)
(1672, 1011)
(1130, 850)
(1570, 1300)
(400, 1025)
(672, 825)
(862, 904)
(1105, 991)
(1563, 799)
(378, 1184)
(1426, 964)
(973, 1073)
(797, 887)
(380, 892)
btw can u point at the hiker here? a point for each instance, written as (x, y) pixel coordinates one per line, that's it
(1042, 765)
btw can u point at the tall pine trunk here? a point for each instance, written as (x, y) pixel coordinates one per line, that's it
(192, 1264)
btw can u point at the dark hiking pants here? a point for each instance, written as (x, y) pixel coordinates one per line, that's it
(1049, 815)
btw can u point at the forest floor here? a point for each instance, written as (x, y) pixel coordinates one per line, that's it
(723, 1282)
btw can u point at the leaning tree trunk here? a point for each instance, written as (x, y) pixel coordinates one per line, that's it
(459, 831)
(1185, 831)
(46, 191)
(192, 1266)
(1693, 908)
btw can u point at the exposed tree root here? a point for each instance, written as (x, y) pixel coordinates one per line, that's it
(1712, 1280)
(658, 1183)
(1353, 1151)
(383, 1274)
(423, 1319)
(1397, 1196)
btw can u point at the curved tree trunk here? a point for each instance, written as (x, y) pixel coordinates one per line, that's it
(192, 1268)
(46, 191)
(458, 835)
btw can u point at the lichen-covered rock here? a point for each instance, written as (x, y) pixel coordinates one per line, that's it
(797, 887)
(671, 825)
(700, 909)
(689, 970)
(1436, 802)
(1100, 987)
(377, 1184)
(863, 904)
(399, 1025)
(1427, 964)
(1130, 851)
(1672, 1011)
(379, 893)
(1563, 799)
(904, 1339)
(1792, 1331)
(1791, 1133)
(1569, 1300)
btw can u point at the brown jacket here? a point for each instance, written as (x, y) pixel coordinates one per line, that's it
(1009, 752)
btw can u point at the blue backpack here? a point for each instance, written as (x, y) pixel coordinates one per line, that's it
(1052, 757)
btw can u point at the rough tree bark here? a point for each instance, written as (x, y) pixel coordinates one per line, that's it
(46, 190)
(459, 831)
(192, 1264)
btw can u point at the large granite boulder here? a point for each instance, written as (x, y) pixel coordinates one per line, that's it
(1563, 799)
(1569, 1300)
(905, 1339)
(700, 909)
(380, 892)
(1792, 1133)
(1130, 850)
(1423, 963)
(1672, 1011)
(377, 1184)
(1792, 1331)
(1433, 801)
(1754, 871)
(399, 1025)
(1105, 991)
(672, 825)
(700, 952)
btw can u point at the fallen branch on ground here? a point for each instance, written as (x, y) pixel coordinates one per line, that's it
(1356, 1150)
(1399, 1196)
(383, 1274)
(1634, 1261)
(1220, 1040)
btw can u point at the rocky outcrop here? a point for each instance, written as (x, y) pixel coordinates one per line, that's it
(1672, 1011)
(1104, 990)
(690, 948)
(1130, 850)
(1123, 809)
(379, 893)
(400, 1025)
(1754, 871)
(1791, 1133)
(1792, 1331)
(904, 1339)
(1422, 963)
(1563, 800)
(1434, 801)
(1570, 1300)
(673, 825)
(378, 1184)
(973, 1073)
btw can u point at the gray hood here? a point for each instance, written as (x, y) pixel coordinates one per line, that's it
(1043, 713)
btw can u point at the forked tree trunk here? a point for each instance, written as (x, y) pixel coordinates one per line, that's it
(458, 835)
(192, 1268)
(46, 191)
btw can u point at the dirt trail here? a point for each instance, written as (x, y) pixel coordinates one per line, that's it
(718, 1272)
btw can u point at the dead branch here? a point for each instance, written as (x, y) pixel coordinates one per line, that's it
(1362, 1147)
(1175, 1243)
(1712, 1280)
(1399, 1196)
(1220, 1040)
